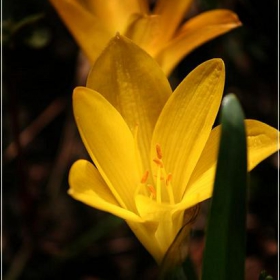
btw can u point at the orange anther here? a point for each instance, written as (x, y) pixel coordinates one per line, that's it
(152, 190)
(168, 179)
(159, 152)
(158, 162)
(145, 177)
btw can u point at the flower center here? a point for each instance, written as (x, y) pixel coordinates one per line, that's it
(162, 182)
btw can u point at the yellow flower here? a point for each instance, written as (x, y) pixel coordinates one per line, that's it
(159, 31)
(154, 151)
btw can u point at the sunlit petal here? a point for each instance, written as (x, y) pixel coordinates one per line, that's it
(186, 121)
(262, 141)
(220, 18)
(145, 234)
(109, 143)
(135, 85)
(87, 186)
(194, 33)
(162, 223)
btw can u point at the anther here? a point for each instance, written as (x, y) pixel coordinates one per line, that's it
(158, 162)
(145, 177)
(159, 152)
(168, 179)
(152, 190)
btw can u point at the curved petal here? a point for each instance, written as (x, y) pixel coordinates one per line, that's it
(160, 227)
(88, 31)
(109, 142)
(115, 14)
(144, 30)
(171, 15)
(218, 17)
(87, 186)
(186, 121)
(134, 84)
(145, 234)
(262, 141)
(194, 33)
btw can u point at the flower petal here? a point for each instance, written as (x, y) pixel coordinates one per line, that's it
(160, 228)
(262, 141)
(144, 30)
(194, 33)
(186, 121)
(134, 84)
(109, 142)
(87, 186)
(145, 234)
(81, 23)
(115, 14)
(171, 15)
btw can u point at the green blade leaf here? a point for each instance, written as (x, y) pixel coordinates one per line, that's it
(224, 253)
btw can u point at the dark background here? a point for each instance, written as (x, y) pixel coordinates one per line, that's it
(48, 235)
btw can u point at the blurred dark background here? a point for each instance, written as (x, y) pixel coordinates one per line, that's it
(48, 235)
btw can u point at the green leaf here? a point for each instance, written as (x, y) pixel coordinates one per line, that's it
(224, 253)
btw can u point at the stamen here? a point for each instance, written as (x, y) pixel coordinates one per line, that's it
(168, 179)
(158, 162)
(158, 188)
(152, 190)
(169, 188)
(161, 180)
(159, 152)
(145, 177)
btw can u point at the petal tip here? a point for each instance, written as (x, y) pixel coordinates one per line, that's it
(80, 92)
(217, 63)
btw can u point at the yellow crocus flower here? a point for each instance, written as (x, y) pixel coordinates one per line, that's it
(161, 31)
(154, 151)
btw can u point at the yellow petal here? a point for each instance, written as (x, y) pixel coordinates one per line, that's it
(145, 234)
(144, 30)
(186, 121)
(262, 141)
(220, 18)
(171, 15)
(194, 33)
(115, 14)
(88, 31)
(87, 186)
(109, 142)
(134, 84)
(160, 228)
